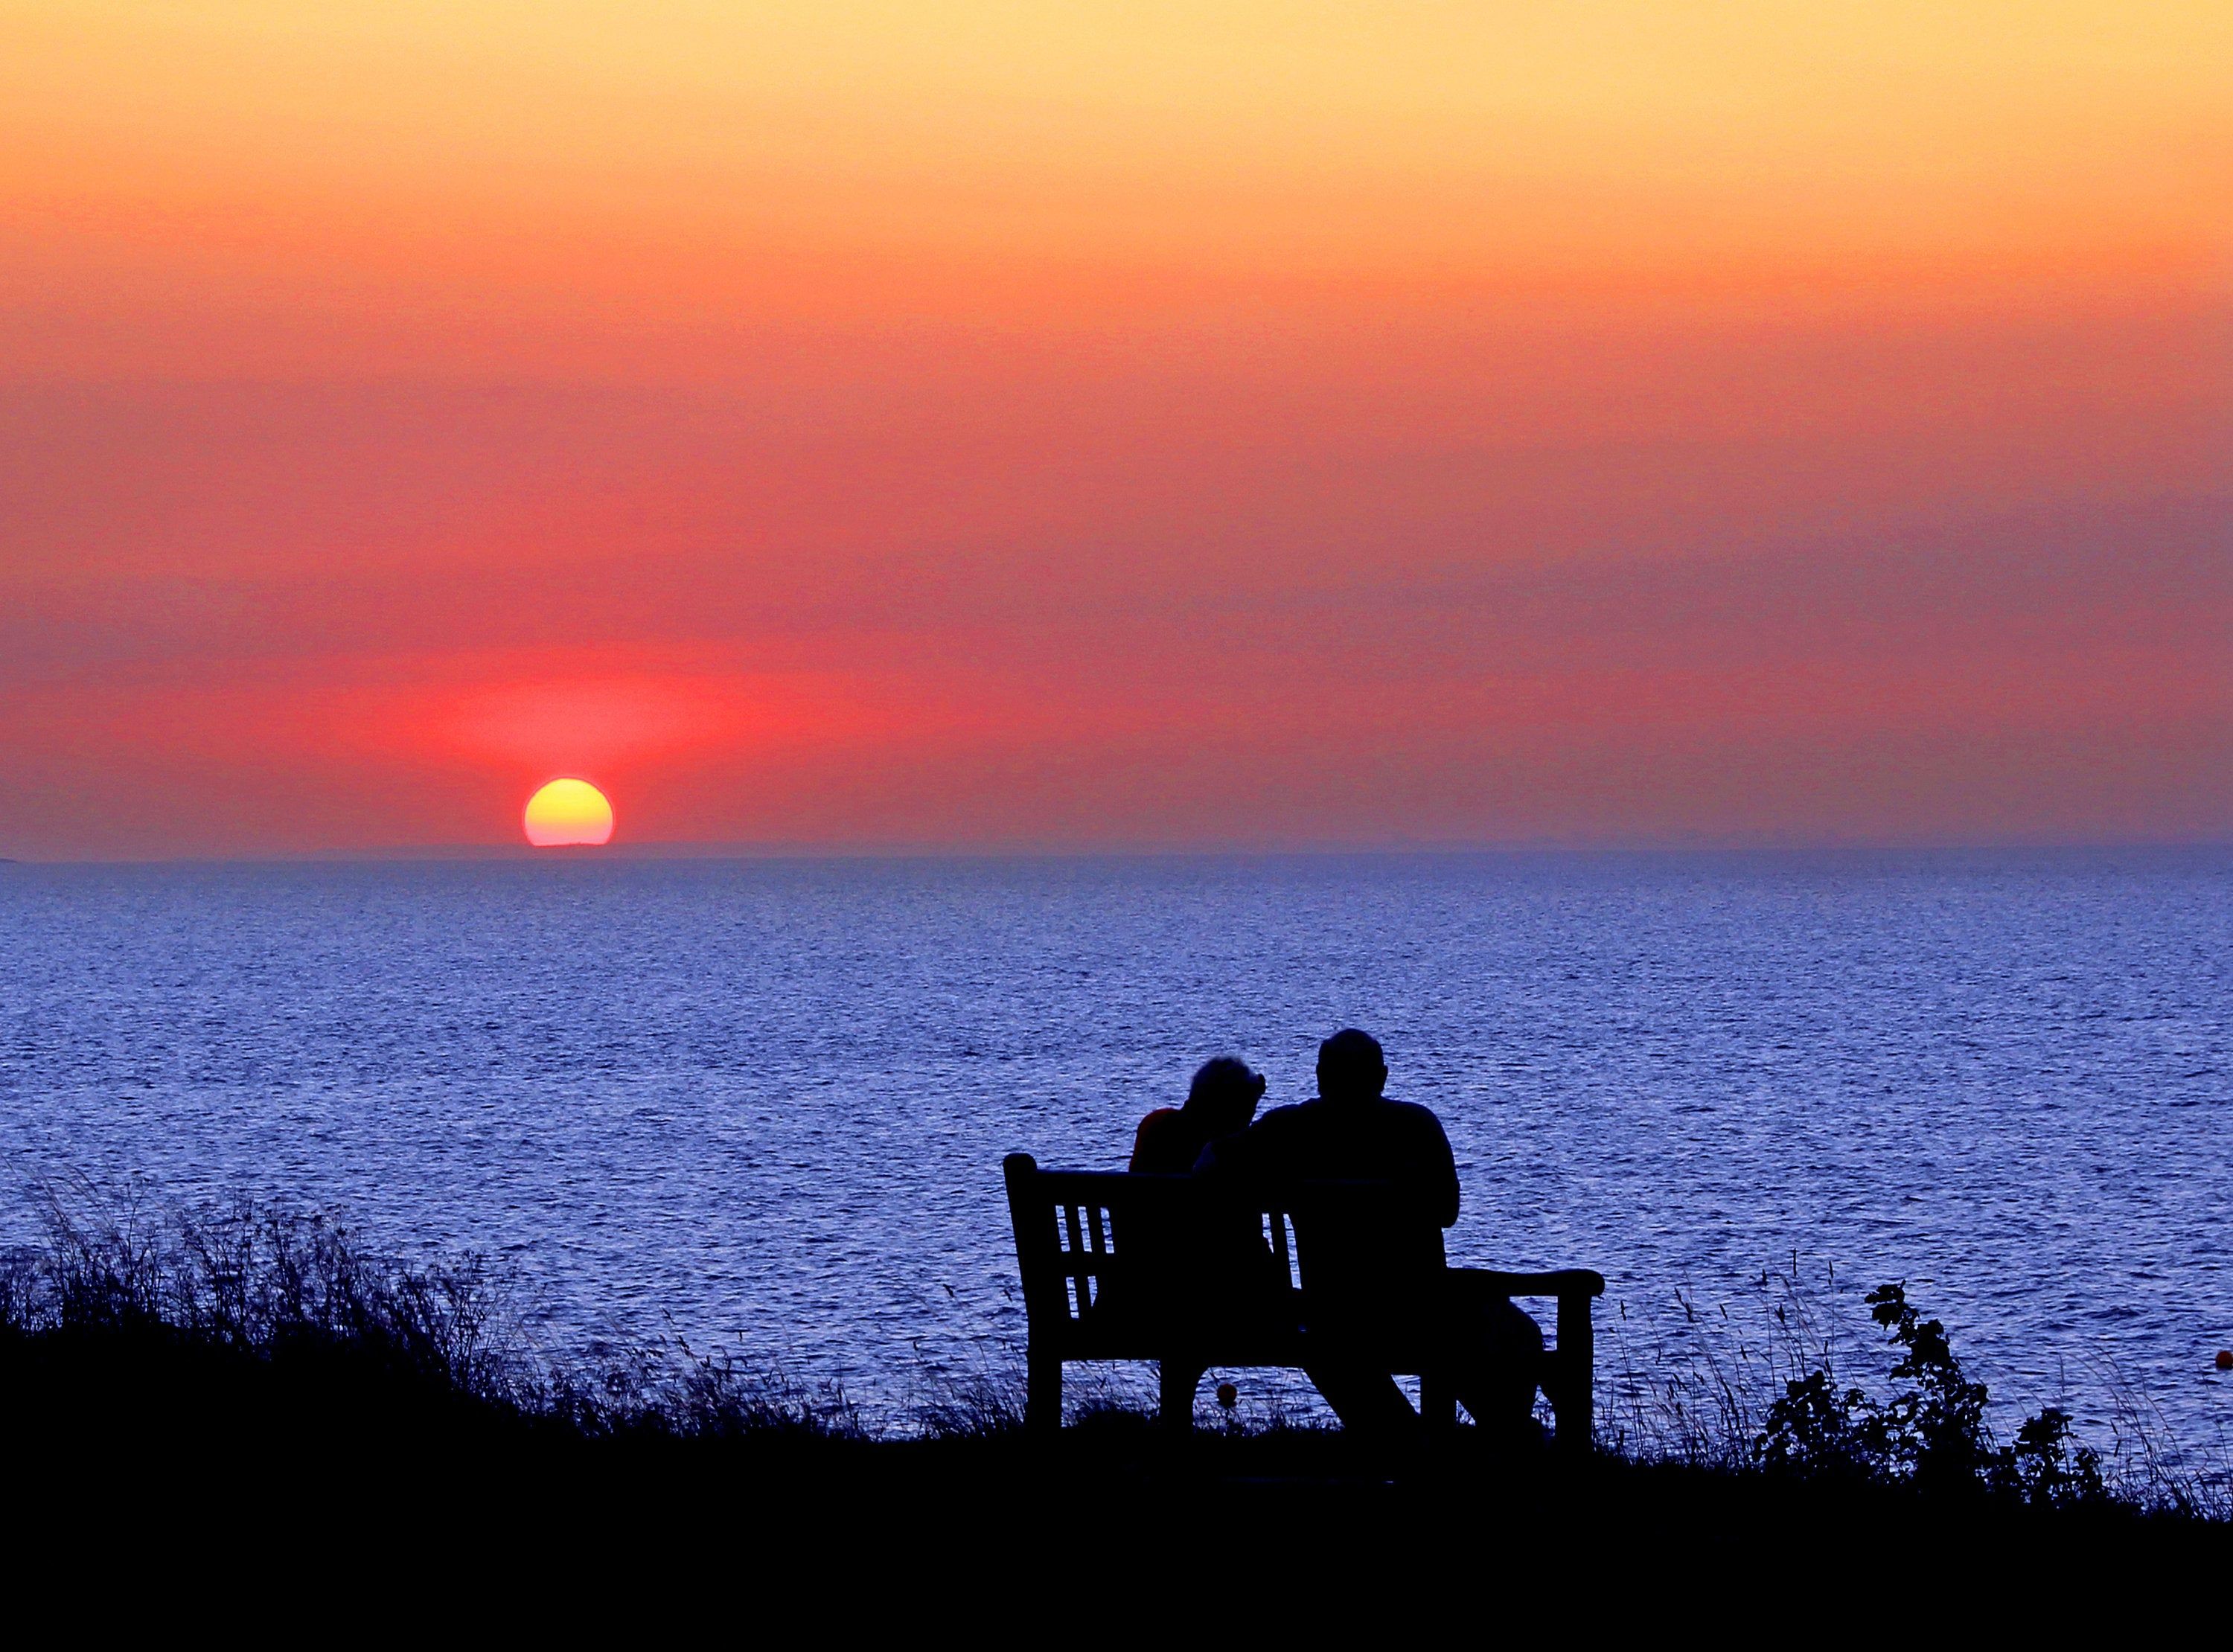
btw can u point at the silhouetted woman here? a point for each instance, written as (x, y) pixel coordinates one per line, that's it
(1220, 1102)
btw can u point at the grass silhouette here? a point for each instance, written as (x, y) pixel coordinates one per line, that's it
(256, 1373)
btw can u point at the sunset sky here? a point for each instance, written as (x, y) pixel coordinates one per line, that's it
(936, 425)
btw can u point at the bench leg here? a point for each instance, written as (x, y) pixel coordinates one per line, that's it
(1179, 1378)
(1043, 1394)
(1574, 1402)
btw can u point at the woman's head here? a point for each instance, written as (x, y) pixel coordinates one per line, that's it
(1226, 1089)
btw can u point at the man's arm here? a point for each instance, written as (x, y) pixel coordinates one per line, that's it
(1439, 1168)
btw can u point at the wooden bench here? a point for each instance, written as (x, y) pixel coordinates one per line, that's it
(1092, 1290)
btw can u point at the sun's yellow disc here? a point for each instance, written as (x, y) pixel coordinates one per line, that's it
(568, 811)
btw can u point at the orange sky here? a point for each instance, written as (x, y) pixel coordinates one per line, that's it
(1000, 425)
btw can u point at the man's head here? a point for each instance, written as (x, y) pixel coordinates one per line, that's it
(1351, 1068)
(1226, 1090)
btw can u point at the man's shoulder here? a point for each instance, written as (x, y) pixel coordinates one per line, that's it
(1319, 1114)
(1413, 1115)
(1298, 1121)
(1421, 1126)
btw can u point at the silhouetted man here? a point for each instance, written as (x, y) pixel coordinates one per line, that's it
(1383, 1273)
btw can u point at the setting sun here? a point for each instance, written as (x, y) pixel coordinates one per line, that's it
(568, 811)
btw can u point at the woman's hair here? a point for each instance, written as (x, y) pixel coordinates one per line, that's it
(1226, 1078)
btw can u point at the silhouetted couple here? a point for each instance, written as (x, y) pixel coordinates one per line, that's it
(1380, 1274)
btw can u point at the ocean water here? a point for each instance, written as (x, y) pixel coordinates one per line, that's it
(763, 1104)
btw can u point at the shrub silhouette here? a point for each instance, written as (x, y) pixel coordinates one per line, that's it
(1931, 1435)
(2044, 1467)
(1935, 1432)
(1818, 1431)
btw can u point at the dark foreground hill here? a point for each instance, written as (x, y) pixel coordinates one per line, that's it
(171, 1469)
(239, 1420)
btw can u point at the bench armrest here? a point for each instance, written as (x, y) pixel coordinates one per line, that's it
(1561, 1282)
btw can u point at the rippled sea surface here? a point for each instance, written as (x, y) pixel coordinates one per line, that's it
(767, 1100)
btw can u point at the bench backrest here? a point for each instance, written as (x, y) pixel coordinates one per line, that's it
(1081, 1233)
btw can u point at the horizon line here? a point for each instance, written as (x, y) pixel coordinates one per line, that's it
(717, 849)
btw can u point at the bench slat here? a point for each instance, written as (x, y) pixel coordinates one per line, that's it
(1076, 1267)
